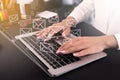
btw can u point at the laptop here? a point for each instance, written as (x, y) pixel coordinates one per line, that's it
(45, 53)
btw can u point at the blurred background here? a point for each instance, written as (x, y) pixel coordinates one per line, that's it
(32, 7)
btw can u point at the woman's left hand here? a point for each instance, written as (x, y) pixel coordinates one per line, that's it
(82, 46)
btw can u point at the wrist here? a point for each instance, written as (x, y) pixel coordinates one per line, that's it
(69, 21)
(109, 41)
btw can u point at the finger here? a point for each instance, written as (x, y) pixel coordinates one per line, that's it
(39, 34)
(53, 31)
(66, 32)
(84, 52)
(66, 45)
(72, 49)
(50, 35)
(69, 43)
(43, 33)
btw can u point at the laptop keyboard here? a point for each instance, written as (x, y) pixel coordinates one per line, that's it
(47, 50)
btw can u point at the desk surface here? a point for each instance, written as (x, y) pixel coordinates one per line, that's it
(14, 65)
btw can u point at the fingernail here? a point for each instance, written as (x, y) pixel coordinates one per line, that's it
(38, 37)
(57, 52)
(46, 40)
(74, 54)
(60, 52)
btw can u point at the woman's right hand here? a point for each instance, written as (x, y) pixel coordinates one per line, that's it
(63, 26)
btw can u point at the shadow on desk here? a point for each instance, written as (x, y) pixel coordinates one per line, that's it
(14, 65)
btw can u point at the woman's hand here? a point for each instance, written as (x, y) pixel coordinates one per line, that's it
(82, 46)
(55, 28)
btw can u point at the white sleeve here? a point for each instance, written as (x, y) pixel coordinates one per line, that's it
(83, 10)
(117, 36)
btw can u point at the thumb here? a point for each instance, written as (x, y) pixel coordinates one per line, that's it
(66, 32)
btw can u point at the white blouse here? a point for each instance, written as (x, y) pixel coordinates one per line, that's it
(107, 14)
